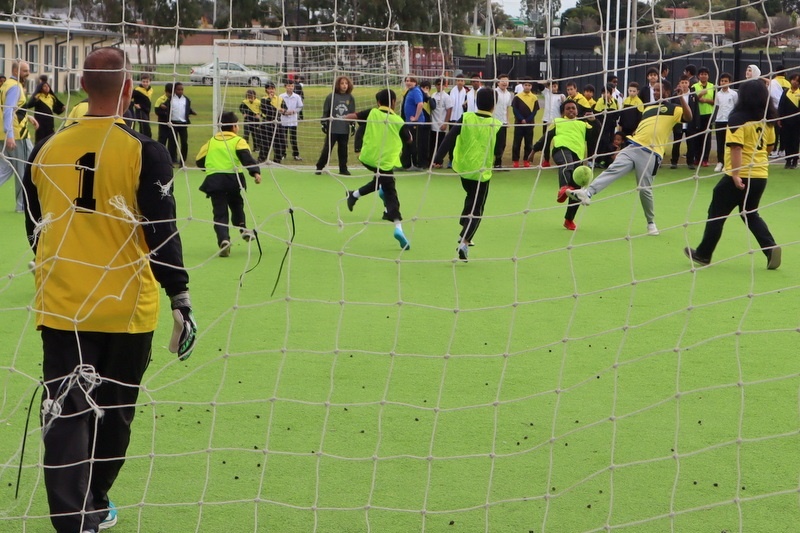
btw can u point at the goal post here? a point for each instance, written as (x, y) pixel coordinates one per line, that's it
(318, 64)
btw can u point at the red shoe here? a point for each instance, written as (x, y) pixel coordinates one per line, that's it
(545, 163)
(570, 225)
(562, 193)
(516, 164)
(526, 163)
(705, 163)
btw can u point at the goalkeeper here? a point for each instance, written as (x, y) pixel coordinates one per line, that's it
(100, 201)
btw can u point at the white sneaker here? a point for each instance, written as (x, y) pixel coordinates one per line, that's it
(718, 168)
(225, 249)
(582, 195)
(248, 235)
(652, 229)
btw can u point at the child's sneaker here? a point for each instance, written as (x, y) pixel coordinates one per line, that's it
(570, 225)
(526, 163)
(545, 163)
(248, 235)
(401, 238)
(562, 194)
(516, 164)
(351, 200)
(225, 248)
(110, 520)
(463, 252)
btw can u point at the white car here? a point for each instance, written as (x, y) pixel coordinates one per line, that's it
(229, 73)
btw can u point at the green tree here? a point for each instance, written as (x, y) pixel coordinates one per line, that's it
(535, 13)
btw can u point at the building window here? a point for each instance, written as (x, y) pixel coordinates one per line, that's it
(75, 50)
(48, 58)
(33, 57)
(61, 62)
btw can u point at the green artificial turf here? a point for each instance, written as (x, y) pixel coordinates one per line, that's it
(559, 381)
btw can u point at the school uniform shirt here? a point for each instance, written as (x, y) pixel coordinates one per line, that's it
(471, 105)
(105, 192)
(251, 111)
(270, 107)
(583, 104)
(459, 98)
(754, 137)
(631, 113)
(726, 100)
(525, 105)
(789, 108)
(655, 129)
(143, 97)
(291, 102)
(552, 105)
(179, 108)
(502, 104)
(443, 102)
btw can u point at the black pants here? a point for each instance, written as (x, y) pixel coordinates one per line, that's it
(179, 133)
(522, 132)
(143, 119)
(385, 180)
(287, 134)
(249, 130)
(221, 202)
(567, 161)
(340, 140)
(471, 215)
(702, 139)
(677, 134)
(790, 141)
(417, 152)
(724, 199)
(163, 133)
(78, 436)
(500, 145)
(720, 130)
(436, 139)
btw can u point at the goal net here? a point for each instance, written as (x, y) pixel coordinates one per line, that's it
(540, 378)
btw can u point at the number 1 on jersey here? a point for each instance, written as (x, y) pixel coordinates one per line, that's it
(85, 167)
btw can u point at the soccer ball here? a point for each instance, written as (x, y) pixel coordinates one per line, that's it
(582, 176)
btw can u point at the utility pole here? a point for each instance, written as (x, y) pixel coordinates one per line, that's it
(633, 24)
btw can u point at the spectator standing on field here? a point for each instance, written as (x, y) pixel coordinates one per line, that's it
(179, 109)
(291, 107)
(271, 106)
(441, 114)
(725, 100)
(552, 110)
(224, 158)
(336, 129)
(683, 129)
(475, 86)
(790, 121)
(99, 263)
(18, 146)
(250, 108)
(525, 105)
(411, 112)
(142, 104)
(45, 105)
(704, 91)
(503, 99)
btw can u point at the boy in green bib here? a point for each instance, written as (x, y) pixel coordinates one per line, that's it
(384, 133)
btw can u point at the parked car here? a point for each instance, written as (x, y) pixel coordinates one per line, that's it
(229, 73)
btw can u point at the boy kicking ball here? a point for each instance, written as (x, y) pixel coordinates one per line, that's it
(474, 137)
(384, 135)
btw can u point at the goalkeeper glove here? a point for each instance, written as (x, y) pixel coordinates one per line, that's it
(325, 126)
(353, 128)
(184, 330)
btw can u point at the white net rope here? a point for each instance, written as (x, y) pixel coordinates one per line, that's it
(559, 381)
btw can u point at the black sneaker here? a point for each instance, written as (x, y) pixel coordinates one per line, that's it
(691, 253)
(351, 200)
(345, 172)
(463, 252)
(774, 258)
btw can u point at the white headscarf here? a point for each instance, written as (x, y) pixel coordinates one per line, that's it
(754, 71)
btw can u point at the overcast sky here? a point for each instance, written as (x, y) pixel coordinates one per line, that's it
(511, 7)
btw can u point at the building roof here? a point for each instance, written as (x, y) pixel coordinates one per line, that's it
(59, 28)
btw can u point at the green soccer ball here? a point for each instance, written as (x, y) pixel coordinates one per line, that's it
(582, 176)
